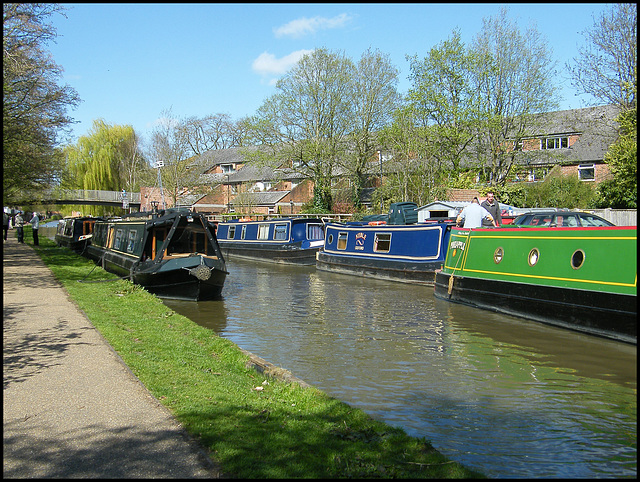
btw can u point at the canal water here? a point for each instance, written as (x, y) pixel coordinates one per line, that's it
(508, 397)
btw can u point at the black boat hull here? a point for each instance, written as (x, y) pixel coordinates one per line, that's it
(422, 273)
(290, 254)
(610, 315)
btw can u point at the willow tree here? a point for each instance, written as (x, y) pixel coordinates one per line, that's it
(106, 159)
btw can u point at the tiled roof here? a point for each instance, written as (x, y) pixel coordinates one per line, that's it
(261, 198)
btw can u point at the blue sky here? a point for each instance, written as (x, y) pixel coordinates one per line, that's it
(131, 62)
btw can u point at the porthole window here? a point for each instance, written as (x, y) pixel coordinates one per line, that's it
(497, 256)
(577, 259)
(534, 256)
(330, 239)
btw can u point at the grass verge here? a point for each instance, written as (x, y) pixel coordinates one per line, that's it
(254, 425)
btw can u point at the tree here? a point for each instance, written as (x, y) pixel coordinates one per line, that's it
(606, 67)
(621, 192)
(34, 105)
(374, 99)
(442, 97)
(169, 145)
(513, 79)
(306, 123)
(215, 131)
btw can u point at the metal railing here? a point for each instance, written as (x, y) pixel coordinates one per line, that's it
(91, 195)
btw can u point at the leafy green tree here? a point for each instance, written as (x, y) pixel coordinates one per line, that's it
(441, 97)
(514, 78)
(34, 105)
(374, 99)
(411, 172)
(606, 67)
(621, 192)
(306, 123)
(557, 190)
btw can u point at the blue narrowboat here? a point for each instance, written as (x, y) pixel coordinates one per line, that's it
(409, 253)
(173, 254)
(286, 240)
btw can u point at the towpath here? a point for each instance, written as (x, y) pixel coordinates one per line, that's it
(71, 407)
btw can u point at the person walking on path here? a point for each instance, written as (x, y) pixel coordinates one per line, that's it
(71, 407)
(5, 224)
(19, 224)
(35, 222)
(473, 214)
(493, 206)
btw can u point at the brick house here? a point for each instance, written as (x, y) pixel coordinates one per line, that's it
(576, 140)
(573, 141)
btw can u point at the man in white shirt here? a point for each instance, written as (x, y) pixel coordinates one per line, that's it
(473, 214)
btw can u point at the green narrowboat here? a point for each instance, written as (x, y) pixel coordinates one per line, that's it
(581, 278)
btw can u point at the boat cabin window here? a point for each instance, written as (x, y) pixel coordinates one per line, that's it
(342, 240)
(263, 231)
(68, 228)
(243, 232)
(315, 232)
(190, 239)
(382, 242)
(118, 243)
(232, 232)
(131, 240)
(280, 232)
(100, 235)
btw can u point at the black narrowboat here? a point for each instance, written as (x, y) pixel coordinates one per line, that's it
(173, 254)
(75, 232)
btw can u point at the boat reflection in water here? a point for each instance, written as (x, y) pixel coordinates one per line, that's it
(506, 396)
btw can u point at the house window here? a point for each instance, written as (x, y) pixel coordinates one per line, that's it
(587, 172)
(554, 143)
(517, 145)
(263, 231)
(227, 168)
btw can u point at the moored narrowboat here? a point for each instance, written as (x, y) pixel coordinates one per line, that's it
(75, 232)
(173, 254)
(286, 240)
(409, 253)
(581, 278)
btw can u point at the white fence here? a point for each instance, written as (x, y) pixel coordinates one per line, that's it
(619, 217)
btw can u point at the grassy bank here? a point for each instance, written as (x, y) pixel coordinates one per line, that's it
(254, 425)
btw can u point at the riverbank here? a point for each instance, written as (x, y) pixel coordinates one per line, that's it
(252, 424)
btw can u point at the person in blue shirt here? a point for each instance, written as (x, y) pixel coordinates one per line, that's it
(473, 214)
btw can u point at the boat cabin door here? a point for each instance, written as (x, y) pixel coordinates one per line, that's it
(157, 238)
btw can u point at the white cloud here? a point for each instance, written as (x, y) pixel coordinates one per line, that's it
(303, 26)
(268, 64)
